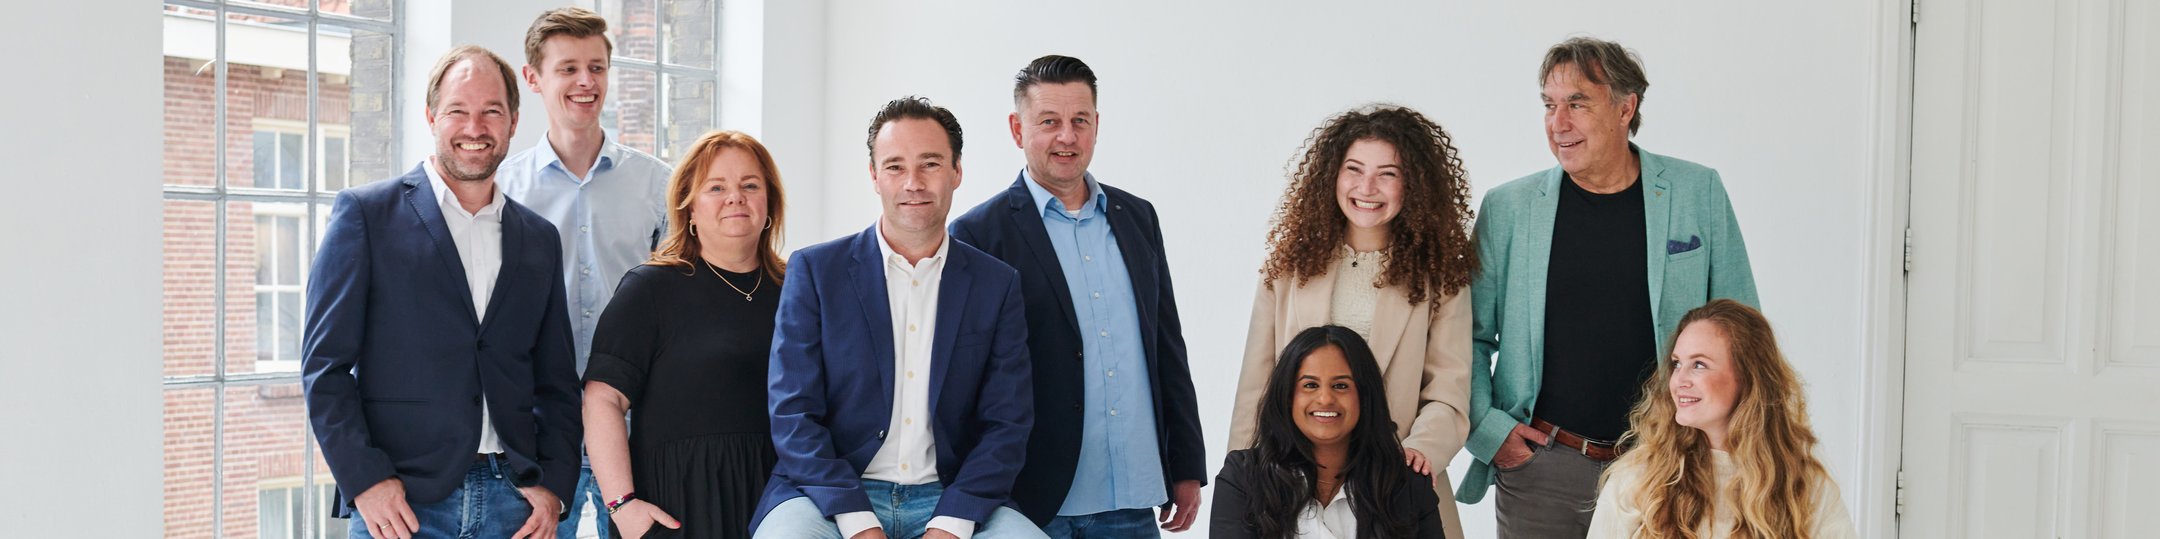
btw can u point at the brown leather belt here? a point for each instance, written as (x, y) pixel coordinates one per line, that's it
(1596, 450)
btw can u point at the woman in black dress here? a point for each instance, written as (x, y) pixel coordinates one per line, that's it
(682, 348)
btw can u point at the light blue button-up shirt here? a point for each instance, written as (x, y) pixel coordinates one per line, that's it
(609, 222)
(1120, 463)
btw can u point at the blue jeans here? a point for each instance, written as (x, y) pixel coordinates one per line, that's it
(1119, 524)
(903, 510)
(588, 490)
(486, 506)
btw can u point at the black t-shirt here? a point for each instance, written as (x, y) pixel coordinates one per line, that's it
(1598, 342)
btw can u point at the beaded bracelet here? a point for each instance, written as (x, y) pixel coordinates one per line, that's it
(618, 502)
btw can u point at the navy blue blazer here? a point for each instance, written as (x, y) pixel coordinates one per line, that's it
(1009, 226)
(396, 359)
(830, 384)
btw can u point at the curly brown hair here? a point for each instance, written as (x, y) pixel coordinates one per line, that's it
(1428, 242)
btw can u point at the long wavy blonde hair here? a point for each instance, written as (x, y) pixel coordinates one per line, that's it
(1774, 490)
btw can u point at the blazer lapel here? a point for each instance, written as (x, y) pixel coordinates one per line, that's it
(1140, 264)
(513, 236)
(951, 312)
(1027, 218)
(869, 274)
(1390, 319)
(421, 197)
(1311, 305)
(1657, 221)
(1531, 251)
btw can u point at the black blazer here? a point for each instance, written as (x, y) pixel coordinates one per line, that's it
(1241, 474)
(396, 359)
(1009, 227)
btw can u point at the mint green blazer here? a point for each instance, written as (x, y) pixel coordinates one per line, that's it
(1695, 253)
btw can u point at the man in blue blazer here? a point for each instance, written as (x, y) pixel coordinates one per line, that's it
(1584, 270)
(1117, 426)
(439, 371)
(899, 381)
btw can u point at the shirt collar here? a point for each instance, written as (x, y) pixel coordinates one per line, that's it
(1049, 202)
(610, 152)
(449, 202)
(895, 259)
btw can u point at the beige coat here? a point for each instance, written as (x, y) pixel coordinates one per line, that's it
(1423, 355)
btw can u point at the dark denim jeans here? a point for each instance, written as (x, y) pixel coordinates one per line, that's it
(1119, 524)
(487, 506)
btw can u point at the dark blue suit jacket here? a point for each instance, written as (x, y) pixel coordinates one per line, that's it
(831, 379)
(1009, 226)
(397, 360)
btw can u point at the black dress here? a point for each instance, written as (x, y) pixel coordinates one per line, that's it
(690, 355)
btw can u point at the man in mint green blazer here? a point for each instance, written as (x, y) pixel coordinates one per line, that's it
(1586, 268)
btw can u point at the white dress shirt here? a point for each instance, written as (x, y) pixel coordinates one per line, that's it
(908, 455)
(478, 236)
(1336, 521)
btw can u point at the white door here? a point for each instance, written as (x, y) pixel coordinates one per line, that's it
(2032, 380)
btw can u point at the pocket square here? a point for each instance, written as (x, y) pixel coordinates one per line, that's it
(1673, 247)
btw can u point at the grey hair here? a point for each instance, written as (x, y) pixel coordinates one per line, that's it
(1602, 62)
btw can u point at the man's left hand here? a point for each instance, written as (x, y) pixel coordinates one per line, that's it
(1184, 506)
(541, 524)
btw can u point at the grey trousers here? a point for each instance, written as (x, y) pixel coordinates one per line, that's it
(1550, 496)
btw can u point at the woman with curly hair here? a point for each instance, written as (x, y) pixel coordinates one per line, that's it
(1721, 444)
(1325, 463)
(1373, 234)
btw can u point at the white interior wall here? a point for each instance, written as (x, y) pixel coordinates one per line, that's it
(1204, 103)
(82, 410)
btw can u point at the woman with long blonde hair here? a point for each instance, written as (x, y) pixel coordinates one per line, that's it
(1719, 445)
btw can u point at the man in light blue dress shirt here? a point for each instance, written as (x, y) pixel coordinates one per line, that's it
(607, 200)
(1117, 430)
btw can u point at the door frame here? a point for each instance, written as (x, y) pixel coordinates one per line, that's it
(1883, 270)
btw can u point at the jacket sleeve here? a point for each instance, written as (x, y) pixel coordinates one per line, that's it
(795, 393)
(555, 384)
(1253, 369)
(337, 294)
(1489, 426)
(1441, 423)
(1181, 407)
(1004, 412)
(1227, 519)
(1730, 274)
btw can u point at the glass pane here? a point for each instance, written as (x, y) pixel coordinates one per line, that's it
(690, 113)
(373, 9)
(325, 495)
(690, 32)
(190, 97)
(190, 287)
(189, 450)
(631, 26)
(289, 317)
(266, 90)
(288, 250)
(265, 449)
(250, 229)
(632, 112)
(336, 164)
(356, 113)
(274, 521)
(266, 150)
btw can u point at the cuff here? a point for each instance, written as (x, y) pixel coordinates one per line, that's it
(959, 527)
(854, 523)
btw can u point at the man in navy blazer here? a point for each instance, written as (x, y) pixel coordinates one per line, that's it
(1118, 427)
(439, 371)
(899, 380)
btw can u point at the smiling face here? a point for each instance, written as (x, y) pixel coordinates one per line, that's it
(472, 120)
(914, 172)
(1055, 127)
(1584, 127)
(1705, 385)
(1324, 403)
(572, 80)
(1370, 186)
(731, 199)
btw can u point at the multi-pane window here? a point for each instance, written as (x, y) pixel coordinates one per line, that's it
(271, 106)
(664, 83)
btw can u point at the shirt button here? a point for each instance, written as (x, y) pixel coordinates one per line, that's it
(911, 374)
(583, 228)
(903, 466)
(1112, 373)
(907, 421)
(1113, 411)
(1098, 295)
(586, 271)
(1104, 333)
(915, 283)
(911, 327)
(588, 313)
(1086, 258)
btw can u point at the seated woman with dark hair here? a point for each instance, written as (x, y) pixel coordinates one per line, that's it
(1325, 463)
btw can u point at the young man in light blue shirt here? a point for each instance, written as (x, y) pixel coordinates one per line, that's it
(607, 200)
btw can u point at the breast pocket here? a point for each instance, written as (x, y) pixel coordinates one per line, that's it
(1687, 278)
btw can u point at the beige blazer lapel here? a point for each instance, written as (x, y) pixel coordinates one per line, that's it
(1391, 317)
(1308, 306)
